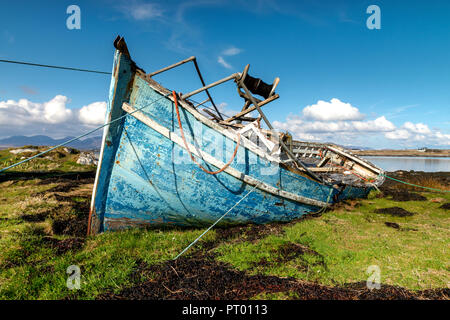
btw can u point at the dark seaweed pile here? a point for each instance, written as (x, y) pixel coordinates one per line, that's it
(395, 211)
(202, 277)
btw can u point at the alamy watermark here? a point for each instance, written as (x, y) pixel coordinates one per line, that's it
(74, 20)
(74, 280)
(374, 20)
(202, 142)
(374, 279)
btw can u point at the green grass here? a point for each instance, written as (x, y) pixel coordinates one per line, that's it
(346, 243)
(351, 241)
(57, 160)
(31, 269)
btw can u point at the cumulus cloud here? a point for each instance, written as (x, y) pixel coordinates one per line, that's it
(415, 132)
(333, 110)
(53, 117)
(93, 113)
(340, 122)
(299, 125)
(400, 134)
(417, 128)
(55, 111)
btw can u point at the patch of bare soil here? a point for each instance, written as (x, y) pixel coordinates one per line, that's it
(39, 217)
(293, 251)
(392, 225)
(395, 211)
(201, 277)
(347, 205)
(70, 217)
(250, 232)
(72, 192)
(46, 175)
(403, 195)
(62, 246)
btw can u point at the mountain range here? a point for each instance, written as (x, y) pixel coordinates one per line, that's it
(41, 140)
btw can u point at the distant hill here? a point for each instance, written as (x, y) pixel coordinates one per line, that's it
(40, 140)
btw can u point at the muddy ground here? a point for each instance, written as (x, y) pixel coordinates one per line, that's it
(199, 275)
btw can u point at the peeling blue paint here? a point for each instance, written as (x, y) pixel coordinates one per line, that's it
(141, 179)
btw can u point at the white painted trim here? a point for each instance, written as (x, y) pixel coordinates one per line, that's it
(217, 163)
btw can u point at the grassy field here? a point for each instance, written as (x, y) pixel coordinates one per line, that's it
(43, 224)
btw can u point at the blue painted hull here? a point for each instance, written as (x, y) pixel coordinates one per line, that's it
(145, 179)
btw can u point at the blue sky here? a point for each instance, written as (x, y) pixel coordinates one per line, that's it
(340, 81)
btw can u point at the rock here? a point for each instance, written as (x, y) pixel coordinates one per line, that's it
(68, 150)
(437, 200)
(87, 158)
(17, 151)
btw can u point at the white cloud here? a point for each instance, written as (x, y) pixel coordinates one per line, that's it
(223, 62)
(418, 132)
(379, 124)
(55, 110)
(53, 117)
(93, 113)
(340, 122)
(417, 128)
(232, 51)
(142, 11)
(400, 134)
(333, 110)
(299, 125)
(23, 111)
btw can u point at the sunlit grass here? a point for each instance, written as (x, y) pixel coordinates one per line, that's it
(351, 241)
(341, 244)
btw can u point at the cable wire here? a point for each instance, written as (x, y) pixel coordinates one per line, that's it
(54, 67)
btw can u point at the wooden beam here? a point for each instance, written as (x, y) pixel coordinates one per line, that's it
(211, 114)
(249, 119)
(252, 108)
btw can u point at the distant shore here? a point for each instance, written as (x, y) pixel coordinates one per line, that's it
(443, 153)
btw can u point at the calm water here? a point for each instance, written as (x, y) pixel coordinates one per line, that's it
(426, 164)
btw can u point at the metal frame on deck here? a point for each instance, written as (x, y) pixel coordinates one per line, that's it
(249, 99)
(194, 60)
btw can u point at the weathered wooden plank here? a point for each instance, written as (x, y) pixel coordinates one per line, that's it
(252, 108)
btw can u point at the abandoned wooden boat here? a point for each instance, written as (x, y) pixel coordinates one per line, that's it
(170, 161)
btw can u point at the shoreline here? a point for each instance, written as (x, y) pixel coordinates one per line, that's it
(402, 153)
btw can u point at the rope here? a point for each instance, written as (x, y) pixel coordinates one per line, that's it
(189, 151)
(81, 136)
(54, 67)
(414, 185)
(217, 221)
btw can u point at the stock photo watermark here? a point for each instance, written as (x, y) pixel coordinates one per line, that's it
(374, 279)
(73, 21)
(220, 147)
(74, 280)
(374, 20)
